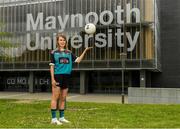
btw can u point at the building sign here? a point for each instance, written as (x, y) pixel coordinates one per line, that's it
(24, 81)
(17, 81)
(42, 81)
(42, 23)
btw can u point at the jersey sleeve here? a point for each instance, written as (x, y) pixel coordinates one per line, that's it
(52, 60)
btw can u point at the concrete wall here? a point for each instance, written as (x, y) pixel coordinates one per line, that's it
(154, 95)
(170, 45)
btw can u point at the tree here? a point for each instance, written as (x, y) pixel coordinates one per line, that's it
(5, 45)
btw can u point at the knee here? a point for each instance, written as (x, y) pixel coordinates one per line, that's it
(55, 97)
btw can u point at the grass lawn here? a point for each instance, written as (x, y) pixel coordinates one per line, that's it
(32, 114)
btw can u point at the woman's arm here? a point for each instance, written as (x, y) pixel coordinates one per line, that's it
(78, 60)
(52, 75)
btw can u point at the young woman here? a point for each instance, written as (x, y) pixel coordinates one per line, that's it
(60, 69)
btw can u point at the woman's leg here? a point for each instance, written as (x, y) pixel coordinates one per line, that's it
(54, 98)
(63, 96)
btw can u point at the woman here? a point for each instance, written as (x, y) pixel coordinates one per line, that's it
(60, 69)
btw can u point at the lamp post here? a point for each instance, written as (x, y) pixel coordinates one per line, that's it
(123, 57)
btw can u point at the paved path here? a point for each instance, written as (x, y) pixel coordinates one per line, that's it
(100, 98)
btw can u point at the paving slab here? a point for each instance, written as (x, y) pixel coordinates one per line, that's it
(72, 97)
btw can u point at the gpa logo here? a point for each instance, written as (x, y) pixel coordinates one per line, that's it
(101, 39)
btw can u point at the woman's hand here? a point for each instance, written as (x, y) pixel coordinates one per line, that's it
(53, 82)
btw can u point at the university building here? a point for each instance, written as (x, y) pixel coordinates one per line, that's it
(136, 44)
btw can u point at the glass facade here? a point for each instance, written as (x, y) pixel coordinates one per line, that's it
(126, 29)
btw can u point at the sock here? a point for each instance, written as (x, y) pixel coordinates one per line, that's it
(61, 113)
(53, 113)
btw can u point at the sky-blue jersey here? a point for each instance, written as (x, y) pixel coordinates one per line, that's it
(62, 61)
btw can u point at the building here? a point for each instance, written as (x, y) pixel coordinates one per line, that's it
(133, 43)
